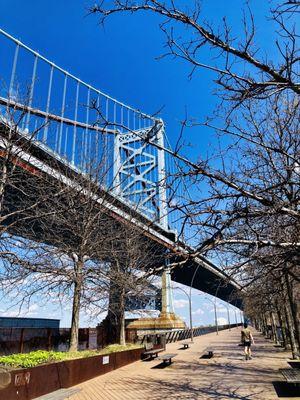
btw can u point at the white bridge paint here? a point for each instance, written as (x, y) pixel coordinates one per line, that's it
(134, 158)
(31, 160)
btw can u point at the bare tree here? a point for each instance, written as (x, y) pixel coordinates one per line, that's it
(248, 212)
(134, 259)
(76, 249)
(267, 303)
(254, 112)
(62, 253)
(243, 70)
(16, 192)
(46, 218)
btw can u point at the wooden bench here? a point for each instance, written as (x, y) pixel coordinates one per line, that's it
(295, 363)
(150, 354)
(167, 358)
(291, 375)
(186, 345)
(208, 352)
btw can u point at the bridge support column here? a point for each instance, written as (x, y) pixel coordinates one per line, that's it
(167, 306)
(114, 323)
(167, 319)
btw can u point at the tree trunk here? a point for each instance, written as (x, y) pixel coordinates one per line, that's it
(262, 324)
(282, 328)
(2, 185)
(293, 309)
(113, 324)
(266, 330)
(76, 307)
(274, 327)
(295, 349)
(122, 338)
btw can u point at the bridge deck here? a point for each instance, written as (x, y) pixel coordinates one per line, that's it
(225, 376)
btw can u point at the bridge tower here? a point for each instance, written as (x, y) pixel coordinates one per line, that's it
(140, 171)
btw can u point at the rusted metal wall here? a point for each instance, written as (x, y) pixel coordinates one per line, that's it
(24, 340)
(28, 383)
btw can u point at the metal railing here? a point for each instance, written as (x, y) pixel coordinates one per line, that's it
(85, 127)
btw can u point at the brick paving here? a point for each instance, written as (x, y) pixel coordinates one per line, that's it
(225, 376)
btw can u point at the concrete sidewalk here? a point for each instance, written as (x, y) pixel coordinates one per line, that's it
(225, 376)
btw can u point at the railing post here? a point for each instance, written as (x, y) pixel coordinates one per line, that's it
(13, 71)
(86, 140)
(162, 183)
(62, 115)
(31, 90)
(75, 128)
(117, 157)
(45, 136)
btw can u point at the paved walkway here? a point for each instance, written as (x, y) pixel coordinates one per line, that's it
(225, 376)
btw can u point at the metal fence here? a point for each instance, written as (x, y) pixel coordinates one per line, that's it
(24, 340)
(174, 336)
(183, 334)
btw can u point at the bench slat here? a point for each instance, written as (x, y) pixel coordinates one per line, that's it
(291, 374)
(167, 356)
(155, 351)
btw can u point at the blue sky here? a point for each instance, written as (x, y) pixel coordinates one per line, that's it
(121, 57)
(202, 309)
(121, 60)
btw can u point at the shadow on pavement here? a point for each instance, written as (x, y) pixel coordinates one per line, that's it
(162, 365)
(185, 390)
(294, 364)
(284, 389)
(206, 356)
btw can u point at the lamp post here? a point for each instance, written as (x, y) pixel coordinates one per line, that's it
(216, 318)
(242, 316)
(215, 308)
(190, 308)
(191, 284)
(236, 323)
(228, 315)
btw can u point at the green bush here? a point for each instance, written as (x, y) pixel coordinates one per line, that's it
(26, 360)
(31, 359)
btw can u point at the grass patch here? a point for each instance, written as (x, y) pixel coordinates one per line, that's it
(34, 358)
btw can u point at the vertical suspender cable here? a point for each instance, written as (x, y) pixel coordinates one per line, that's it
(117, 156)
(62, 114)
(46, 129)
(128, 119)
(86, 129)
(105, 149)
(75, 128)
(31, 91)
(13, 72)
(66, 143)
(122, 119)
(97, 140)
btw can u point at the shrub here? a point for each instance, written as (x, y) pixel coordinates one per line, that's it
(26, 360)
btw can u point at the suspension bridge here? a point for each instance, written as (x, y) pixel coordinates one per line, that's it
(77, 125)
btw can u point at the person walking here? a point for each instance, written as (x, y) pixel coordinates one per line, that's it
(247, 340)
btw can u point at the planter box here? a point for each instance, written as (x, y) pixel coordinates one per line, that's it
(29, 383)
